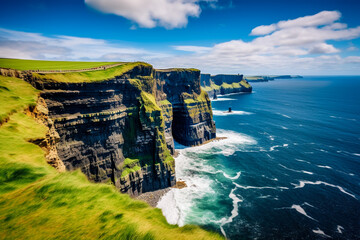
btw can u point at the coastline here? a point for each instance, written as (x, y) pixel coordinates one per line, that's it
(154, 197)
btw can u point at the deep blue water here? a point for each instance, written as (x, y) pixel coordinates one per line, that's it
(289, 168)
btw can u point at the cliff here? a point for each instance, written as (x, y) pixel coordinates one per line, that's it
(192, 113)
(119, 125)
(224, 84)
(269, 78)
(41, 202)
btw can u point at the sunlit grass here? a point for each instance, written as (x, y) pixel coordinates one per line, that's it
(90, 76)
(22, 64)
(15, 95)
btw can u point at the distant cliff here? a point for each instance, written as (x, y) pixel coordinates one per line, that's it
(269, 78)
(121, 128)
(224, 84)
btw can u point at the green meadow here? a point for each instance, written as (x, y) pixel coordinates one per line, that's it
(21, 64)
(37, 202)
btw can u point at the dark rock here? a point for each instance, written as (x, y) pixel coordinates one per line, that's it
(121, 130)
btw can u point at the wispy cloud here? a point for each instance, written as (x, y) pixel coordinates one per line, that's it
(17, 44)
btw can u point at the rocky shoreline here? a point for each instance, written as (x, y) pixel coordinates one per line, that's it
(152, 198)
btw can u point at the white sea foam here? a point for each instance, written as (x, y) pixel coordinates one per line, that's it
(232, 178)
(300, 171)
(266, 196)
(285, 128)
(308, 204)
(177, 203)
(321, 232)
(273, 179)
(300, 210)
(227, 113)
(234, 142)
(303, 183)
(339, 229)
(278, 146)
(322, 150)
(348, 119)
(264, 187)
(322, 166)
(234, 212)
(284, 115)
(222, 99)
(301, 160)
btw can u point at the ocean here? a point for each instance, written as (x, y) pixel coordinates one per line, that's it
(289, 168)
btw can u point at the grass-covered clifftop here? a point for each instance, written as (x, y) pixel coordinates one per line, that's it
(37, 202)
(236, 85)
(22, 64)
(76, 72)
(90, 76)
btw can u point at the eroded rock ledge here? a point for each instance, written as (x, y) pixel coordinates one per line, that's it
(122, 130)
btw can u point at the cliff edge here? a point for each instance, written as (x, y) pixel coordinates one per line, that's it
(118, 125)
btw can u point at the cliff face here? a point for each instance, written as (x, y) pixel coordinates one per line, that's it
(192, 121)
(121, 130)
(205, 80)
(224, 84)
(226, 78)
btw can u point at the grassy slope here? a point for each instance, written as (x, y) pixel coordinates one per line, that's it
(21, 64)
(36, 202)
(90, 76)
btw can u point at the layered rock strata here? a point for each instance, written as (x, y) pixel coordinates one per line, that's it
(122, 130)
(193, 121)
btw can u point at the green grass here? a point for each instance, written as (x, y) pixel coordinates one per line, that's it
(90, 76)
(21, 64)
(37, 202)
(130, 166)
(202, 97)
(15, 95)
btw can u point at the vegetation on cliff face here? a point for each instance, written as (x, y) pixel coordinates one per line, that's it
(22, 64)
(37, 202)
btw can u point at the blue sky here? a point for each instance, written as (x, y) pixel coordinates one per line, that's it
(224, 36)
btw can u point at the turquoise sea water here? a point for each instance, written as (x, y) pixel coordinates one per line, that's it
(289, 168)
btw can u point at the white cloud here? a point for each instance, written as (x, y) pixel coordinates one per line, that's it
(16, 44)
(292, 46)
(263, 30)
(323, 48)
(295, 49)
(151, 13)
(322, 18)
(195, 49)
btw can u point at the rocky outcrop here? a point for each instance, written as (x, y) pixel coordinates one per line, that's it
(224, 84)
(226, 78)
(192, 122)
(205, 80)
(122, 130)
(41, 114)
